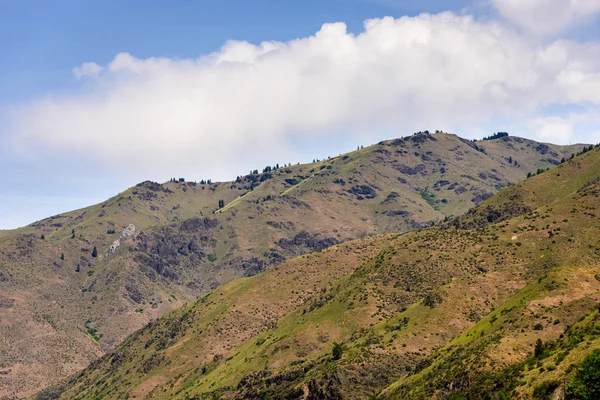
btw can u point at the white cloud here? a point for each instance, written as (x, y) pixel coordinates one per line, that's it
(546, 17)
(554, 129)
(563, 129)
(88, 69)
(245, 104)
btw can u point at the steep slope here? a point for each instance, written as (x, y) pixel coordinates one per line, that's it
(61, 305)
(436, 312)
(529, 344)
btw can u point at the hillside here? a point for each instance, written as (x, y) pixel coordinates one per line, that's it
(62, 305)
(500, 303)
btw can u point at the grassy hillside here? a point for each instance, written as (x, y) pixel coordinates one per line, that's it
(62, 305)
(453, 310)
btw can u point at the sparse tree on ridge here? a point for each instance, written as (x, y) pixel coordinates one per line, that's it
(338, 351)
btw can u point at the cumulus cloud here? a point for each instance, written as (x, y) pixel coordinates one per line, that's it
(246, 103)
(546, 17)
(554, 129)
(88, 69)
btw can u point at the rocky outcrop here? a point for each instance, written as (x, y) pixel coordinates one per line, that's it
(127, 234)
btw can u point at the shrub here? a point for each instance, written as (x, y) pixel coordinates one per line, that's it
(338, 351)
(538, 352)
(212, 257)
(545, 389)
(586, 384)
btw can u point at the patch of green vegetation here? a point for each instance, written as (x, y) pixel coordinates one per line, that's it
(545, 389)
(212, 257)
(92, 332)
(338, 351)
(586, 383)
(428, 197)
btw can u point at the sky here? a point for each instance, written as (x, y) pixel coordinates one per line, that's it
(98, 96)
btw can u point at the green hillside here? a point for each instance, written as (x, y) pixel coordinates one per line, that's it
(62, 305)
(453, 310)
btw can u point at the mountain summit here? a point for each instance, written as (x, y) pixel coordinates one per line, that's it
(499, 303)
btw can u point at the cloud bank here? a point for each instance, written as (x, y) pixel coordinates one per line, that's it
(547, 17)
(247, 104)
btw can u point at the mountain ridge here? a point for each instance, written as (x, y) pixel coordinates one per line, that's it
(191, 237)
(435, 312)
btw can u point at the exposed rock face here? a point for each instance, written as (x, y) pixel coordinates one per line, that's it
(114, 246)
(127, 234)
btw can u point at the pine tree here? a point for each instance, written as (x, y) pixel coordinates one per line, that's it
(95, 252)
(43, 237)
(72, 233)
(62, 256)
(338, 350)
(539, 349)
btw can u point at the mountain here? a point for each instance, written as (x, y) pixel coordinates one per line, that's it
(498, 303)
(74, 286)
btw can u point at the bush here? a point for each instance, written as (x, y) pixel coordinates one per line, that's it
(212, 257)
(586, 384)
(545, 389)
(538, 352)
(338, 351)
(51, 393)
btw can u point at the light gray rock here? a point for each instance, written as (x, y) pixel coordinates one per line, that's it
(127, 234)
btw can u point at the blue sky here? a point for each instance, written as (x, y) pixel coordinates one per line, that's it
(70, 137)
(44, 40)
